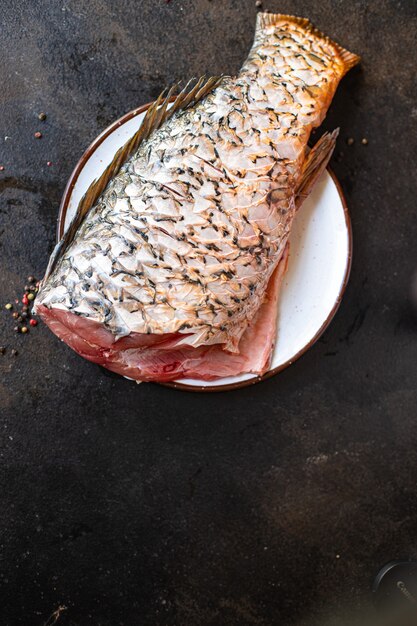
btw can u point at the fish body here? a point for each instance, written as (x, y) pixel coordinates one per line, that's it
(177, 253)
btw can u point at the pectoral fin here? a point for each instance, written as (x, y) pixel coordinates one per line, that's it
(315, 163)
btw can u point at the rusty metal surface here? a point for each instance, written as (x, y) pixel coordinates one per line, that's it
(142, 505)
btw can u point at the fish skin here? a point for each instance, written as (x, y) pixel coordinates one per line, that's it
(186, 236)
(163, 359)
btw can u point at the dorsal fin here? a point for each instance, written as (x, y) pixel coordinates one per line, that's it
(156, 115)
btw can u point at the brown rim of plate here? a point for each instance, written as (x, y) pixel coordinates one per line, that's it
(243, 383)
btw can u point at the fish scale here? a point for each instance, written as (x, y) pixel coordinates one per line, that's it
(185, 237)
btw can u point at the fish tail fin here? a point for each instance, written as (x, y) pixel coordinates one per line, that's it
(346, 59)
(315, 163)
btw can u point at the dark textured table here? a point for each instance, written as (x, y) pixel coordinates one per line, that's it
(141, 505)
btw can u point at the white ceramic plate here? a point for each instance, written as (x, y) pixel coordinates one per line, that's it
(318, 268)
